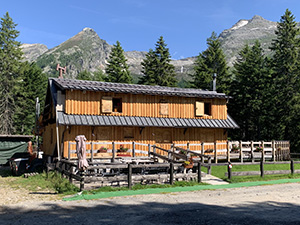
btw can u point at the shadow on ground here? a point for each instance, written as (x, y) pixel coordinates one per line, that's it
(109, 212)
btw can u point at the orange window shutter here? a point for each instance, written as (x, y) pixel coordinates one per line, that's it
(106, 104)
(199, 108)
(164, 108)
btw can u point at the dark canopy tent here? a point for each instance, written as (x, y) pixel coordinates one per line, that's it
(10, 144)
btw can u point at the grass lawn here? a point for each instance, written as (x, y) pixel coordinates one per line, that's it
(219, 171)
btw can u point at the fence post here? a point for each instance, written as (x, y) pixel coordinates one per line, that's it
(92, 154)
(216, 152)
(154, 148)
(199, 173)
(263, 151)
(171, 173)
(262, 168)
(228, 152)
(113, 152)
(252, 153)
(133, 149)
(292, 167)
(202, 151)
(273, 151)
(229, 167)
(209, 165)
(149, 150)
(129, 176)
(241, 152)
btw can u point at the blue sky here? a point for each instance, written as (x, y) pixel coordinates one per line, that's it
(137, 24)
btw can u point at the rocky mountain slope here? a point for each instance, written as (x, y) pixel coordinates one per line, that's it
(247, 32)
(87, 51)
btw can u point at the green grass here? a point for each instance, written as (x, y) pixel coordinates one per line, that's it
(52, 182)
(219, 171)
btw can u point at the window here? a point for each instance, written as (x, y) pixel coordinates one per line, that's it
(117, 104)
(110, 104)
(207, 108)
(163, 107)
(203, 108)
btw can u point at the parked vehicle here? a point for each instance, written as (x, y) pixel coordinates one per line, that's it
(21, 163)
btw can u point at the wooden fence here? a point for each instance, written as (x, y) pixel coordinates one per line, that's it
(129, 174)
(262, 171)
(228, 151)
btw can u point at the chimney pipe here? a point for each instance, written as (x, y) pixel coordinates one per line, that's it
(214, 82)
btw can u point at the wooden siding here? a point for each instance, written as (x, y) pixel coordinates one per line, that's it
(161, 137)
(89, 103)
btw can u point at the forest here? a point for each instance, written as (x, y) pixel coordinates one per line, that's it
(264, 90)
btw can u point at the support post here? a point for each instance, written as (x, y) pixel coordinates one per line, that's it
(209, 165)
(133, 149)
(129, 176)
(92, 153)
(69, 150)
(228, 151)
(252, 153)
(263, 151)
(241, 152)
(113, 152)
(262, 168)
(171, 173)
(149, 150)
(273, 151)
(202, 152)
(81, 181)
(199, 172)
(216, 152)
(229, 167)
(292, 167)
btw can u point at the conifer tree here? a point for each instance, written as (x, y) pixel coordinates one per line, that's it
(99, 75)
(32, 85)
(84, 75)
(10, 57)
(157, 67)
(250, 93)
(117, 68)
(211, 61)
(285, 64)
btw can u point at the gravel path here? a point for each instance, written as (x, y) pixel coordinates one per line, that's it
(271, 204)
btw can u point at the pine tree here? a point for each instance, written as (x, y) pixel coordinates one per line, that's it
(10, 57)
(211, 61)
(285, 64)
(157, 67)
(33, 85)
(250, 93)
(117, 68)
(84, 75)
(99, 75)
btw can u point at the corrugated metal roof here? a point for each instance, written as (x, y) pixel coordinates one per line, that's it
(68, 84)
(92, 120)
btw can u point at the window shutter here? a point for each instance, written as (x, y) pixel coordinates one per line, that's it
(199, 108)
(164, 108)
(106, 104)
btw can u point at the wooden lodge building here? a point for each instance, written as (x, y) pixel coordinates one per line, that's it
(113, 112)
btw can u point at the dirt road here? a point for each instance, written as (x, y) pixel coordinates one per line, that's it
(273, 204)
